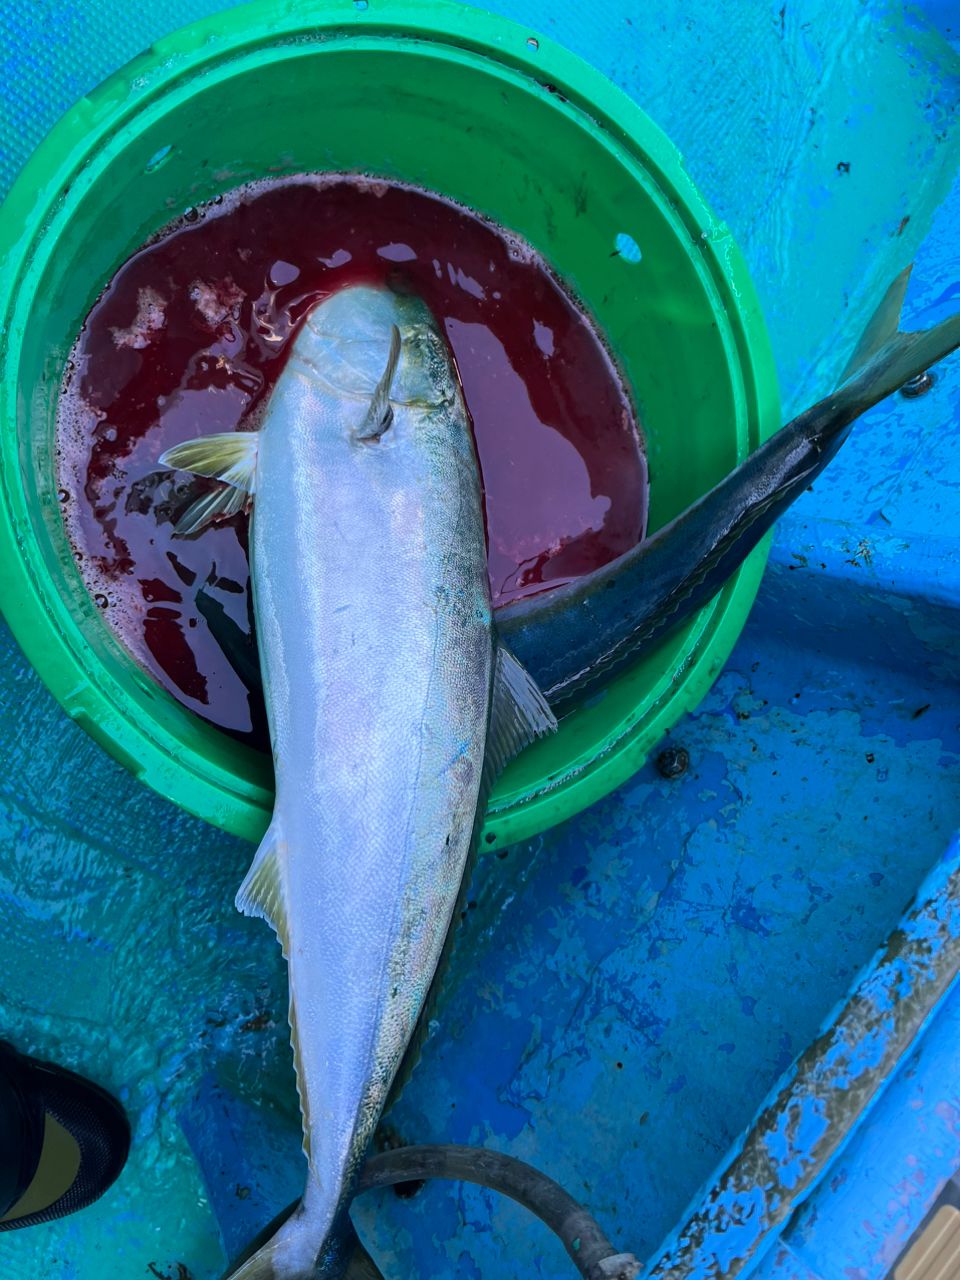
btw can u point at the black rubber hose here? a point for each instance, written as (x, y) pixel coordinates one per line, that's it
(592, 1253)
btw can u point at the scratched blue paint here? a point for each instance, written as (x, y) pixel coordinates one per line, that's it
(800, 1129)
(868, 1051)
(734, 1220)
(630, 985)
(880, 1189)
(739, 1215)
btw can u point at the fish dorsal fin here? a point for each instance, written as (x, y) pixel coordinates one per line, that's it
(519, 714)
(230, 456)
(380, 414)
(883, 325)
(261, 894)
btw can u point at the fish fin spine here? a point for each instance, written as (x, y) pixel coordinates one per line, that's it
(299, 1074)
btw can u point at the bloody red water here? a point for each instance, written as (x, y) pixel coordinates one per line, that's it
(190, 336)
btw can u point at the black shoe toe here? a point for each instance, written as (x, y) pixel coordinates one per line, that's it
(96, 1123)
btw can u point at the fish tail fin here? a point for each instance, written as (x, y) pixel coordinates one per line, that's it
(263, 1258)
(292, 1247)
(230, 456)
(262, 1265)
(885, 357)
(270, 1263)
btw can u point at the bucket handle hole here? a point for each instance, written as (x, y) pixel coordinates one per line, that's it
(159, 158)
(627, 248)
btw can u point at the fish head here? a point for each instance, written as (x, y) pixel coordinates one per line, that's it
(348, 347)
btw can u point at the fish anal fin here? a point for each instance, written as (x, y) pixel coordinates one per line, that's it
(299, 1074)
(262, 894)
(229, 456)
(519, 714)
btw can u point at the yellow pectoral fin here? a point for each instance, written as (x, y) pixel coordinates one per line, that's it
(230, 456)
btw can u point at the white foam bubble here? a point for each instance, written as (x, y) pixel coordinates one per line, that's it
(77, 421)
(217, 301)
(150, 318)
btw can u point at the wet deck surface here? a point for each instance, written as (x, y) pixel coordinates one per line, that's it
(629, 985)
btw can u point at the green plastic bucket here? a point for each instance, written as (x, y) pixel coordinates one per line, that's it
(457, 101)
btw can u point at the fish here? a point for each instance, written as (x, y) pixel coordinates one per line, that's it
(575, 638)
(563, 644)
(391, 705)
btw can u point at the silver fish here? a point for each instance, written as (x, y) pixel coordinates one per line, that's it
(391, 708)
(575, 638)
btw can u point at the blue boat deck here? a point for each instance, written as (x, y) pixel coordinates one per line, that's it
(628, 986)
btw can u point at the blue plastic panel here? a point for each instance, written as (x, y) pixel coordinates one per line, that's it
(627, 989)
